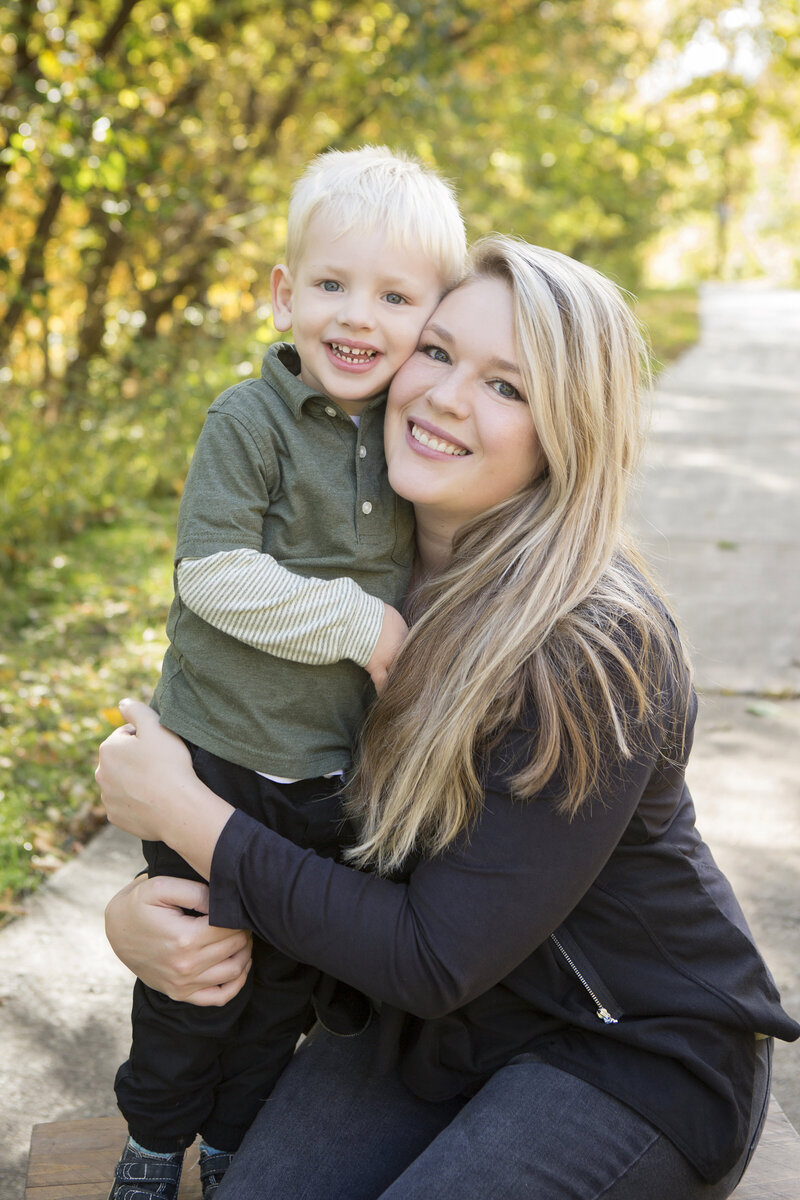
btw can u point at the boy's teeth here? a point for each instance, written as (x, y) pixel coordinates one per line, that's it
(427, 439)
(351, 354)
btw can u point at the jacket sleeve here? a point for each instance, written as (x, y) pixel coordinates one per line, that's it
(252, 597)
(461, 921)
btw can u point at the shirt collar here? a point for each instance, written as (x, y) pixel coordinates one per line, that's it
(281, 369)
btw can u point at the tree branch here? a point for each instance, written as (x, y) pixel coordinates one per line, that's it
(24, 58)
(109, 39)
(34, 264)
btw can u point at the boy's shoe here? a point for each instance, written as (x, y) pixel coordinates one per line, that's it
(141, 1176)
(212, 1169)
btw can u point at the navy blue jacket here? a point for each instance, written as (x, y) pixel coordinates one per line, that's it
(611, 945)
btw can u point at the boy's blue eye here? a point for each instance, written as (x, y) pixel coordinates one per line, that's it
(330, 285)
(394, 298)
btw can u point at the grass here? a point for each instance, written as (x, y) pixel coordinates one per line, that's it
(83, 626)
(671, 318)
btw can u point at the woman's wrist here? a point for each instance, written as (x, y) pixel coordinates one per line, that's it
(192, 822)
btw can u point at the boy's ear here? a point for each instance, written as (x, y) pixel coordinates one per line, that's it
(281, 286)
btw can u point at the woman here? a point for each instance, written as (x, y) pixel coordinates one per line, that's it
(570, 1004)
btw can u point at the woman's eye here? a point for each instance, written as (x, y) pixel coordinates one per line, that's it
(506, 389)
(394, 298)
(436, 353)
(330, 285)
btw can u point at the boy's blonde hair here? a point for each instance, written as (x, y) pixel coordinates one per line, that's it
(544, 611)
(375, 188)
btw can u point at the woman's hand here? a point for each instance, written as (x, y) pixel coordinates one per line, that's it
(149, 788)
(182, 956)
(140, 763)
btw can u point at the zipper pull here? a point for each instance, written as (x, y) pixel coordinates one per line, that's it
(605, 1016)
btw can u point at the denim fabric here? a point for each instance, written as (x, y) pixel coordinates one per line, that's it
(335, 1130)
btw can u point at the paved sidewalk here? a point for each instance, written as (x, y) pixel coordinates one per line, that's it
(719, 509)
(719, 513)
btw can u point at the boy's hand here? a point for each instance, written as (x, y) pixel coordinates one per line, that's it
(394, 632)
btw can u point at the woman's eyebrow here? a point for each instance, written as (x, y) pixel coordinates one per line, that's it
(502, 364)
(497, 364)
(439, 331)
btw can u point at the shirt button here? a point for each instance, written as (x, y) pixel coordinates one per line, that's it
(362, 451)
(330, 410)
(366, 508)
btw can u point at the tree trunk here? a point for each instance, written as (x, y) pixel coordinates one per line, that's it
(34, 265)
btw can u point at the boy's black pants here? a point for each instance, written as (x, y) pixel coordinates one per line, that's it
(208, 1070)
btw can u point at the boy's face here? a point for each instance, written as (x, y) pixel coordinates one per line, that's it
(356, 306)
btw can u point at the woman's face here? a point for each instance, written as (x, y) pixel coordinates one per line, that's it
(459, 433)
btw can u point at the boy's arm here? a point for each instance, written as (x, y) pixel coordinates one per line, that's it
(251, 597)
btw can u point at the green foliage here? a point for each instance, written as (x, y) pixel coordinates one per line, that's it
(82, 621)
(670, 317)
(147, 151)
(57, 476)
(82, 628)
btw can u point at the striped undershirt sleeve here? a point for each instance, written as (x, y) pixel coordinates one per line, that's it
(252, 597)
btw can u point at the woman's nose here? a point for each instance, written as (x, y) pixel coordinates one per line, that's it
(450, 395)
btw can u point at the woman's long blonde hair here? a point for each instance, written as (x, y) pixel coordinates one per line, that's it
(542, 608)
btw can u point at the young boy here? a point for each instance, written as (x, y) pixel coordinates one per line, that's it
(292, 555)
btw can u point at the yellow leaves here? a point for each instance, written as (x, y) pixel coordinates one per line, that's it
(218, 294)
(191, 126)
(205, 50)
(183, 14)
(629, 163)
(508, 170)
(49, 65)
(113, 716)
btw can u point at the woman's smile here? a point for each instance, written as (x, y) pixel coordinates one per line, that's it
(433, 442)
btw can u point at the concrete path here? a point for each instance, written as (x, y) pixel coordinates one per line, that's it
(720, 504)
(719, 514)
(719, 510)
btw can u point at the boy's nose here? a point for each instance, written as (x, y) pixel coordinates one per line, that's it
(357, 313)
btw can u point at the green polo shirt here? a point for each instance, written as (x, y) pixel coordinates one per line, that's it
(281, 469)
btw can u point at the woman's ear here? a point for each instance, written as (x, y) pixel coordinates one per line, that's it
(281, 286)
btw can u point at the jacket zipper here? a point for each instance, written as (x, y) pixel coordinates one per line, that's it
(602, 1012)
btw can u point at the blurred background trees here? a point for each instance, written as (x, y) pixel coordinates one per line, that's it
(148, 150)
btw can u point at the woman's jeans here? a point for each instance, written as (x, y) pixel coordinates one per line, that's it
(332, 1130)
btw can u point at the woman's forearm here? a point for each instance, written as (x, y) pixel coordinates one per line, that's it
(192, 823)
(462, 921)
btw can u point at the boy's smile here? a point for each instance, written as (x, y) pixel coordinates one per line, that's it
(356, 304)
(357, 357)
